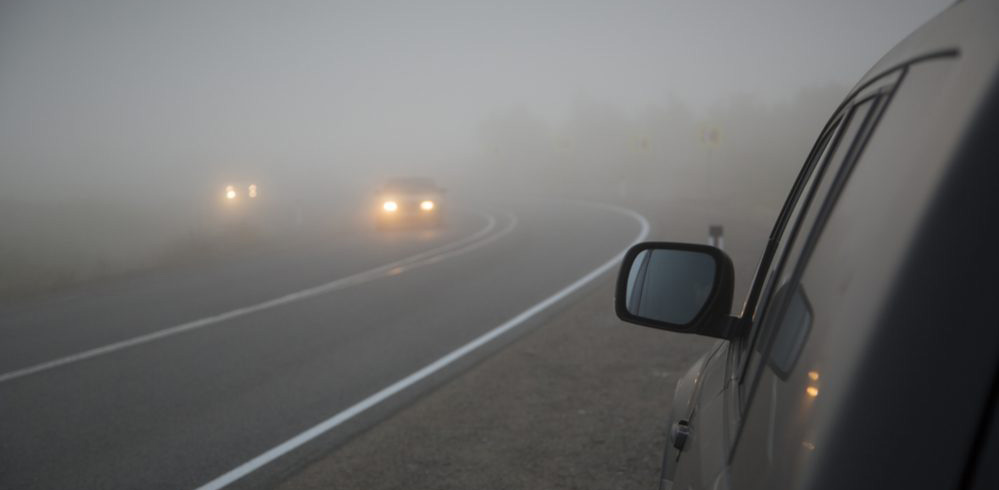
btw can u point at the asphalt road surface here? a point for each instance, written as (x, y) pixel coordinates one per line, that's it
(207, 375)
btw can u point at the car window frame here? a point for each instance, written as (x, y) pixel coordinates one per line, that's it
(782, 285)
(771, 276)
(751, 316)
(769, 305)
(744, 342)
(881, 93)
(757, 296)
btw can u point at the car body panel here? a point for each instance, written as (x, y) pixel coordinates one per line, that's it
(704, 381)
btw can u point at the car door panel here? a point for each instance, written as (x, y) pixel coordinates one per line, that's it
(703, 455)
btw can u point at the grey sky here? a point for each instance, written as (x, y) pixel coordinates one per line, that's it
(99, 90)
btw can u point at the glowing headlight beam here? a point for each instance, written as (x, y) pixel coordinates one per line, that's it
(427, 205)
(230, 192)
(390, 206)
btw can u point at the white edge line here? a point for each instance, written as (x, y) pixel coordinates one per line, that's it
(359, 407)
(423, 258)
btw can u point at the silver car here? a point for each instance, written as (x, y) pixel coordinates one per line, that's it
(866, 354)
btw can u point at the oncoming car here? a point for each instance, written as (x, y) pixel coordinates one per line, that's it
(238, 203)
(236, 193)
(866, 353)
(409, 202)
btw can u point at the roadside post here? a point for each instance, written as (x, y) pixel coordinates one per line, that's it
(716, 236)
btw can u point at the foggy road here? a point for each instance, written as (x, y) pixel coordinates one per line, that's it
(173, 379)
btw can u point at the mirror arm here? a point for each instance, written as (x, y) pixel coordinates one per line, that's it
(723, 328)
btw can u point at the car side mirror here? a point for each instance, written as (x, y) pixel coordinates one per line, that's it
(679, 287)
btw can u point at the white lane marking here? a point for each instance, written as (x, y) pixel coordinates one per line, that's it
(431, 256)
(445, 255)
(328, 424)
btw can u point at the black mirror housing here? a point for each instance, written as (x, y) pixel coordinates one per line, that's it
(680, 287)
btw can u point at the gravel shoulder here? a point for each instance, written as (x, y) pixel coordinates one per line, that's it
(580, 402)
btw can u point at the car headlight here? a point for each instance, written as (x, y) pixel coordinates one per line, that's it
(251, 191)
(390, 206)
(427, 205)
(230, 192)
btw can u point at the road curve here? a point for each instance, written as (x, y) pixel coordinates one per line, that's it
(294, 337)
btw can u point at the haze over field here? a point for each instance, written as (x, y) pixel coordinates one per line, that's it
(121, 122)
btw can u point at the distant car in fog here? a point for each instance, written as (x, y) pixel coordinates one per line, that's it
(409, 202)
(237, 203)
(234, 193)
(866, 353)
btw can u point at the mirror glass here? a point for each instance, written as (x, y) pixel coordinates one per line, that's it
(668, 285)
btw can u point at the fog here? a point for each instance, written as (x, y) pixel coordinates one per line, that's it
(121, 122)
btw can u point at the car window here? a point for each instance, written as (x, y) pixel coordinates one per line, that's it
(781, 235)
(784, 318)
